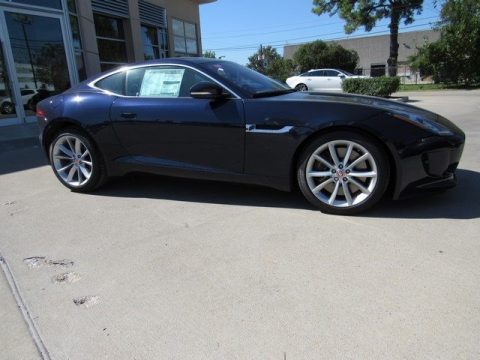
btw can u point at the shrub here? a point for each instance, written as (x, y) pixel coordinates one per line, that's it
(375, 86)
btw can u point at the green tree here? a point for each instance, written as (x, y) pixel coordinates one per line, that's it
(455, 58)
(431, 60)
(319, 54)
(210, 54)
(366, 13)
(262, 58)
(269, 62)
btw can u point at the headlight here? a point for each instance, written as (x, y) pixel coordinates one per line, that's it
(424, 123)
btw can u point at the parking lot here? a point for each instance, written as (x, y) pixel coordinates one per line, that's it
(187, 269)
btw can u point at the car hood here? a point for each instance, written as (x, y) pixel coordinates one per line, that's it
(389, 106)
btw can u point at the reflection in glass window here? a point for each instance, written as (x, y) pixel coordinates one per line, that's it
(113, 83)
(38, 51)
(111, 41)
(185, 38)
(76, 40)
(39, 56)
(57, 4)
(155, 42)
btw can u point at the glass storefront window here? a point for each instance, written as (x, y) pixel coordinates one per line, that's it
(57, 4)
(7, 106)
(185, 38)
(111, 41)
(76, 40)
(108, 27)
(155, 44)
(39, 57)
(72, 6)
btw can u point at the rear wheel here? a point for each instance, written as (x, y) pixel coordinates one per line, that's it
(7, 108)
(343, 173)
(301, 87)
(76, 162)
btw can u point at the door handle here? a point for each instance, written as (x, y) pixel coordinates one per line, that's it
(127, 115)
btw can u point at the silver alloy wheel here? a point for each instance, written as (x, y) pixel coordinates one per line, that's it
(341, 173)
(72, 160)
(302, 87)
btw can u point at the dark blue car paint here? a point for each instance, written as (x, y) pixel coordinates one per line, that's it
(207, 139)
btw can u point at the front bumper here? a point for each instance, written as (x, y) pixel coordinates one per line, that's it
(429, 165)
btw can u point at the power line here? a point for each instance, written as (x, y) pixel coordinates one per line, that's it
(306, 27)
(283, 42)
(207, 36)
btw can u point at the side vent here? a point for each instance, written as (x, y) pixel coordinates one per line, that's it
(152, 14)
(111, 7)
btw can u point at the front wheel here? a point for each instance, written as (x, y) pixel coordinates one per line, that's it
(76, 162)
(343, 173)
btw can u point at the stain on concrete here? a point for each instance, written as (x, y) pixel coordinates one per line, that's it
(66, 278)
(61, 263)
(86, 301)
(39, 261)
(34, 261)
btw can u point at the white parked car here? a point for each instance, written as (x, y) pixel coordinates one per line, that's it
(320, 79)
(7, 106)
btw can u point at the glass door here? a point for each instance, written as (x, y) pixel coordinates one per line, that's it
(35, 51)
(7, 102)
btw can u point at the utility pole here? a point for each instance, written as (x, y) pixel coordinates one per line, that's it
(261, 57)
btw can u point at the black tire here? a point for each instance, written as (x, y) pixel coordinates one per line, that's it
(7, 108)
(377, 163)
(301, 87)
(98, 170)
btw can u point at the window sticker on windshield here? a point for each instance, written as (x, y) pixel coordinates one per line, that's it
(162, 82)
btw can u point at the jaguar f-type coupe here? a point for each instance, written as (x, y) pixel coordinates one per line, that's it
(214, 119)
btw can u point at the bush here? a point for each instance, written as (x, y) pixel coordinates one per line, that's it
(375, 86)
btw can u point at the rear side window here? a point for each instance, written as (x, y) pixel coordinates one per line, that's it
(133, 81)
(114, 83)
(331, 73)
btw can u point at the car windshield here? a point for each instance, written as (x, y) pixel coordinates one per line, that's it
(246, 79)
(347, 73)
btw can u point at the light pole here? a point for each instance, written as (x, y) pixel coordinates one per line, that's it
(26, 20)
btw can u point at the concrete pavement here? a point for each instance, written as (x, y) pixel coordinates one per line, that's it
(185, 269)
(15, 339)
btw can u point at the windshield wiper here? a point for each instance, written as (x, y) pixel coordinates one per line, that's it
(272, 93)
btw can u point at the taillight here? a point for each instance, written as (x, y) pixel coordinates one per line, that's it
(40, 113)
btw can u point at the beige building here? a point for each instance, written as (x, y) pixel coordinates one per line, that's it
(50, 45)
(373, 51)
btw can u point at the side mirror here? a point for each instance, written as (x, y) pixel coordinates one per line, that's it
(341, 76)
(207, 90)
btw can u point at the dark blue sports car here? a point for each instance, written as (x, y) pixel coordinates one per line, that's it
(214, 119)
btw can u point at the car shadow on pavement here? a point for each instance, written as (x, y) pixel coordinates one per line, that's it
(201, 191)
(462, 202)
(19, 155)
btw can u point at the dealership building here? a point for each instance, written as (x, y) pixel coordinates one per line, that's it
(373, 52)
(50, 45)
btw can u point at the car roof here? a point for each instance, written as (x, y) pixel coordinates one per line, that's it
(324, 69)
(177, 60)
